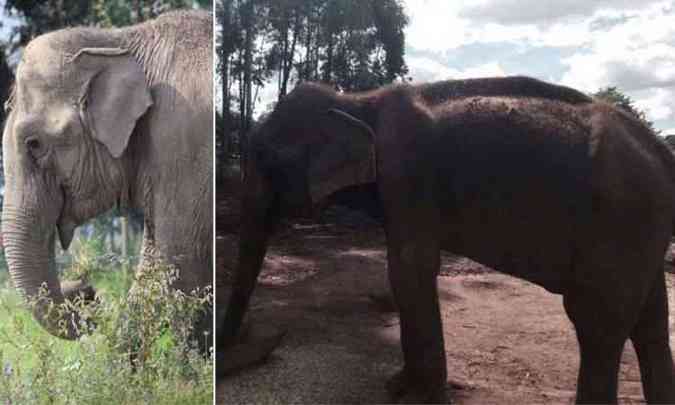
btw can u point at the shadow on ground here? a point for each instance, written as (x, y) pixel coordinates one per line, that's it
(507, 341)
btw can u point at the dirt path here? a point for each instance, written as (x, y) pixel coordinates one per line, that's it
(506, 340)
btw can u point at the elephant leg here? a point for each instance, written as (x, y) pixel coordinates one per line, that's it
(601, 335)
(413, 268)
(651, 341)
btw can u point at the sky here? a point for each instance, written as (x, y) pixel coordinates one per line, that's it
(585, 44)
(7, 22)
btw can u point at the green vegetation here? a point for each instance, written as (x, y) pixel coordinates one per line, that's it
(615, 96)
(150, 324)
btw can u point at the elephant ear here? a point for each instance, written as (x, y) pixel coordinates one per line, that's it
(114, 98)
(346, 158)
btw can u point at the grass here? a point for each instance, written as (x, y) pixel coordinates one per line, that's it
(151, 324)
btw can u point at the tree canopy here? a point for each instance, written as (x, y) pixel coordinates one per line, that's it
(617, 97)
(43, 16)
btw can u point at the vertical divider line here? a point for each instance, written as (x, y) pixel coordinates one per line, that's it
(214, 192)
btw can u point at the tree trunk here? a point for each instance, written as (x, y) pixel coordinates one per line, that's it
(288, 62)
(282, 59)
(225, 91)
(328, 70)
(247, 110)
(138, 9)
(308, 50)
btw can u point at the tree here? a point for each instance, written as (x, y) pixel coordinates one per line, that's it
(351, 44)
(115, 13)
(43, 16)
(225, 47)
(615, 96)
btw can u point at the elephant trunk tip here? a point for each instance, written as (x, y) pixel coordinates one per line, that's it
(60, 314)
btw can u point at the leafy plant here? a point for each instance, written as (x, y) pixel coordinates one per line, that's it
(137, 348)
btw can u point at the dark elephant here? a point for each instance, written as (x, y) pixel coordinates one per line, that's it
(539, 182)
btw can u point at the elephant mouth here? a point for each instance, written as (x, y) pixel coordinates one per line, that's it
(66, 231)
(88, 206)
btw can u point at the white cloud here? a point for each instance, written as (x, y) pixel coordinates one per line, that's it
(434, 25)
(423, 69)
(657, 104)
(440, 25)
(624, 43)
(637, 56)
(543, 12)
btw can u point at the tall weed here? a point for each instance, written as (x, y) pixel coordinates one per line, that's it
(138, 347)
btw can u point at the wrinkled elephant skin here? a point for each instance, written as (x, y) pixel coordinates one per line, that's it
(103, 118)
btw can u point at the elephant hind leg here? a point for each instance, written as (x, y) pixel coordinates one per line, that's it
(601, 334)
(651, 341)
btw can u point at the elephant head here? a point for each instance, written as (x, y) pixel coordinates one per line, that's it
(73, 112)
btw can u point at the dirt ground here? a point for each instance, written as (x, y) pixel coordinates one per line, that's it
(506, 340)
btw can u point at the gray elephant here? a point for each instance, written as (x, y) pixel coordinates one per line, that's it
(573, 194)
(103, 118)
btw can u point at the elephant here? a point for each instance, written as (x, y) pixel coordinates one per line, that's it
(550, 186)
(103, 118)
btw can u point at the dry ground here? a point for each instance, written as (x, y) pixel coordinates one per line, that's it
(506, 340)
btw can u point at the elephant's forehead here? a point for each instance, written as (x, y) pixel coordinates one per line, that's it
(41, 58)
(39, 85)
(46, 63)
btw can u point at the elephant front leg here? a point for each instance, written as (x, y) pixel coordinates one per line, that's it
(413, 268)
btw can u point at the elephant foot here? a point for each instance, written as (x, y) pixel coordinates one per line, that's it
(260, 342)
(384, 301)
(404, 390)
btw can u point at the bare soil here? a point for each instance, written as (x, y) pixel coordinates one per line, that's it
(507, 341)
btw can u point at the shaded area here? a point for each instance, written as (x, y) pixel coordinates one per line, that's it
(507, 340)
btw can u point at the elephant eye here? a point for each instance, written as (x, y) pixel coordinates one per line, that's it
(34, 146)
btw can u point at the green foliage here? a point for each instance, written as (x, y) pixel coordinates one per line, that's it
(614, 96)
(116, 13)
(4, 272)
(43, 16)
(86, 259)
(151, 324)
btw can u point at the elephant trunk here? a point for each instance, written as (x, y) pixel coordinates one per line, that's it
(30, 258)
(257, 223)
(259, 217)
